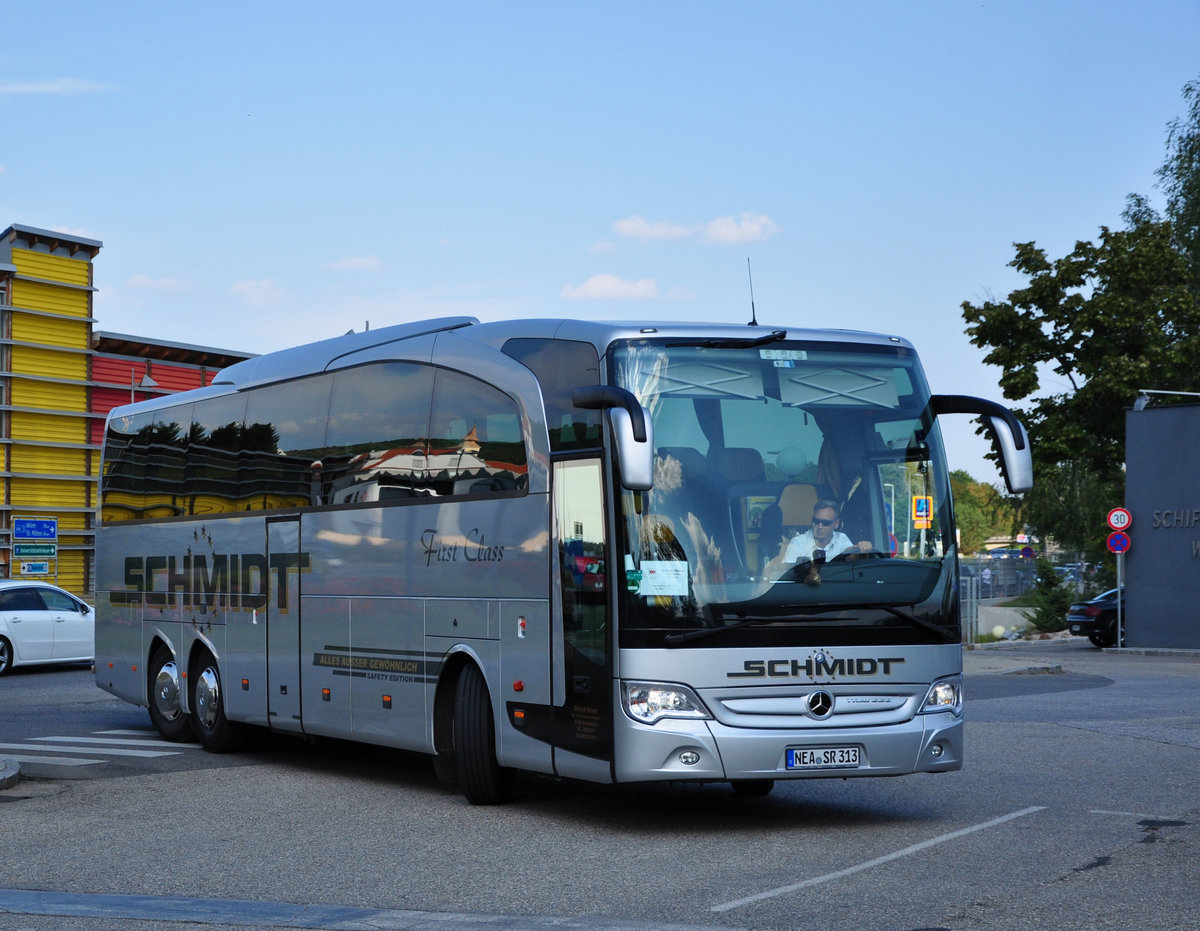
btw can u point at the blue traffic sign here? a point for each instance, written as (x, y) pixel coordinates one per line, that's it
(35, 528)
(1118, 541)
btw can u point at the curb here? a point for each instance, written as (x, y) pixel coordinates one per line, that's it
(10, 773)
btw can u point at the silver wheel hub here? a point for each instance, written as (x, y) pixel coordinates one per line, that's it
(208, 698)
(166, 692)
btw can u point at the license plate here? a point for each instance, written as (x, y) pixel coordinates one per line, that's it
(822, 758)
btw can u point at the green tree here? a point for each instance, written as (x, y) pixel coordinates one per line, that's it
(1051, 599)
(1091, 328)
(1105, 320)
(980, 512)
(1179, 178)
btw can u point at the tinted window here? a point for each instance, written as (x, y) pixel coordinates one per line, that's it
(213, 454)
(283, 441)
(377, 441)
(475, 441)
(57, 601)
(562, 366)
(165, 457)
(20, 599)
(144, 463)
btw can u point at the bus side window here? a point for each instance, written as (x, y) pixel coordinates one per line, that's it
(284, 440)
(127, 446)
(475, 441)
(213, 450)
(561, 366)
(377, 446)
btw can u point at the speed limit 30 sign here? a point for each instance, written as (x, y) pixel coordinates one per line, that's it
(1120, 519)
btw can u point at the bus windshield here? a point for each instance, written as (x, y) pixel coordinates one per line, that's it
(799, 490)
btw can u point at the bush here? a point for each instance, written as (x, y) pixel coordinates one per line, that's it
(1050, 599)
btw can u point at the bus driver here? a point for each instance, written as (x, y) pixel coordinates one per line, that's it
(823, 539)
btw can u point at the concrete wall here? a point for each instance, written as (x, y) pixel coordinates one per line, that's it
(1162, 491)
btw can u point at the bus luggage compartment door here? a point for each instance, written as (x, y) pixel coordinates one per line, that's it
(283, 623)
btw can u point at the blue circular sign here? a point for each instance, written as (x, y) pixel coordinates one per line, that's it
(1118, 541)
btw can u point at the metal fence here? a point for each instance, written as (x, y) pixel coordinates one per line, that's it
(982, 579)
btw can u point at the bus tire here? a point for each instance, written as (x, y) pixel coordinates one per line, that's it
(484, 781)
(214, 731)
(752, 788)
(164, 701)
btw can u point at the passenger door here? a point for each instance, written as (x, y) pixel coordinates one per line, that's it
(73, 627)
(582, 654)
(31, 625)
(284, 567)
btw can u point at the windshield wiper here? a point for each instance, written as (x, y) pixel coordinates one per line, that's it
(701, 633)
(676, 640)
(749, 342)
(912, 618)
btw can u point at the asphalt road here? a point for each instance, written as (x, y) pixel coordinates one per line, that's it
(1077, 808)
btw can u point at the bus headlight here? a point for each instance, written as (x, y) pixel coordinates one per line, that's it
(648, 702)
(944, 695)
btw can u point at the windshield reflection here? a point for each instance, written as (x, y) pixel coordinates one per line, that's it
(795, 481)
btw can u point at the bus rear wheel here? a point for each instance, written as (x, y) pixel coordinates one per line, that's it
(214, 731)
(484, 781)
(165, 704)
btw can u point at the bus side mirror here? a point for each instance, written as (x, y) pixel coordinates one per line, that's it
(1016, 460)
(631, 429)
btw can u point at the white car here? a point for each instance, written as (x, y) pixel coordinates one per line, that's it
(41, 623)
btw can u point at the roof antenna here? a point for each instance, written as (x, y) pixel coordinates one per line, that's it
(753, 315)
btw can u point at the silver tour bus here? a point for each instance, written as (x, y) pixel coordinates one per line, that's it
(614, 552)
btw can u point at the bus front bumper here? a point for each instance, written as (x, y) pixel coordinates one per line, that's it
(707, 750)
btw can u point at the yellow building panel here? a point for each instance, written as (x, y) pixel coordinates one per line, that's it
(29, 361)
(54, 299)
(52, 267)
(69, 525)
(50, 331)
(69, 573)
(46, 493)
(47, 428)
(49, 396)
(48, 460)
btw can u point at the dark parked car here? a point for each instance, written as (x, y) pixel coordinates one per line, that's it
(1097, 619)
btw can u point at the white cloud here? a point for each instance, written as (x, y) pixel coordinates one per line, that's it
(157, 285)
(636, 227)
(355, 263)
(265, 292)
(750, 227)
(55, 86)
(611, 287)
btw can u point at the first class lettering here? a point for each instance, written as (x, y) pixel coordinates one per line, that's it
(472, 548)
(239, 580)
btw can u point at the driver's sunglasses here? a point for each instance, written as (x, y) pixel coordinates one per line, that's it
(822, 522)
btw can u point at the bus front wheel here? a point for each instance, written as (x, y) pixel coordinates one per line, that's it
(165, 705)
(214, 731)
(484, 781)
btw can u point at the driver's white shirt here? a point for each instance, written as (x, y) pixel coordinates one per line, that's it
(802, 545)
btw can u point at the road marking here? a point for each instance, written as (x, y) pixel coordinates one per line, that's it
(109, 741)
(105, 751)
(56, 760)
(878, 861)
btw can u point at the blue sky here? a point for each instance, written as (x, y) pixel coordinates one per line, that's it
(265, 174)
